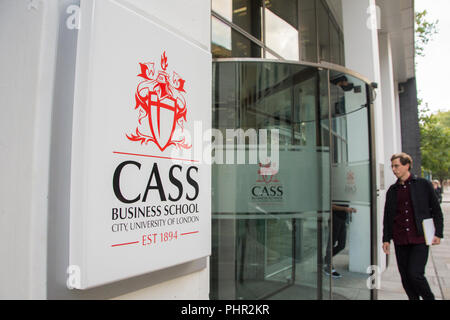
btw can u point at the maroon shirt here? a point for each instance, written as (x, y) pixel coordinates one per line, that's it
(405, 230)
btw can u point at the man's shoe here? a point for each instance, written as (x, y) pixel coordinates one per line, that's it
(334, 273)
(326, 270)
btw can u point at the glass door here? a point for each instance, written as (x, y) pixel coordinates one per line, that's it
(349, 248)
(267, 214)
(291, 182)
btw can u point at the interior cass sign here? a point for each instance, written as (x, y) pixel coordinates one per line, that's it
(140, 89)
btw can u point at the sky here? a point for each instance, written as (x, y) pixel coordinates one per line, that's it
(433, 70)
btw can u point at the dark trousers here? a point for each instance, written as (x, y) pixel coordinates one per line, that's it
(339, 237)
(411, 261)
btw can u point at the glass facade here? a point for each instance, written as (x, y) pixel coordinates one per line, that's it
(298, 30)
(292, 156)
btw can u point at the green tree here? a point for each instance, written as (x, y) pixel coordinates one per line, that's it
(425, 31)
(443, 118)
(435, 145)
(435, 134)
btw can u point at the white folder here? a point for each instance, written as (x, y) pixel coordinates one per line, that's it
(428, 230)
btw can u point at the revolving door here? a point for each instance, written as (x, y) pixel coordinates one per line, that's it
(291, 142)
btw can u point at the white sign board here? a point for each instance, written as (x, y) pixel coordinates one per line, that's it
(140, 91)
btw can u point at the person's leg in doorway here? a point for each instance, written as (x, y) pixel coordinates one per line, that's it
(339, 237)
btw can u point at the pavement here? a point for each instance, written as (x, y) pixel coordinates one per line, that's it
(437, 269)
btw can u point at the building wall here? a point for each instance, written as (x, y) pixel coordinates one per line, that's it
(410, 123)
(395, 108)
(370, 51)
(397, 115)
(36, 89)
(25, 96)
(390, 116)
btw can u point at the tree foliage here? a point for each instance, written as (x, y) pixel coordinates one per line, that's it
(435, 143)
(425, 31)
(443, 118)
(434, 128)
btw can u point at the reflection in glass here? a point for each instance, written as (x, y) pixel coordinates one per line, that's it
(271, 232)
(324, 217)
(220, 38)
(227, 43)
(342, 50)
(285, 9)
(281, 36)
(223, 7)
(270, 56)
(281, 27)
(303, 30)
(266, 228)
(350, 185)
(246, 14)
(308, 30)
(324, 33)
(335, 51)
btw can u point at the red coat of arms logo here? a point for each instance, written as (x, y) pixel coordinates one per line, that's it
(161, 101)
(266, 173)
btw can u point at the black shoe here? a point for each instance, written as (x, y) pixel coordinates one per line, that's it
(334, 273)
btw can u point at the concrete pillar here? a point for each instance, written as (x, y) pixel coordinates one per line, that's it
(391, 125)
(398, 127)
(362, 56)
(410, 123)
(390, 120)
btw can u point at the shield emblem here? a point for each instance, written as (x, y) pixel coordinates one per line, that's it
(162, 101)
(162, 119)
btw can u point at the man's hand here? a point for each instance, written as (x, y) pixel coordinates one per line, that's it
(350, 210)
(386, 247)
(436, 241)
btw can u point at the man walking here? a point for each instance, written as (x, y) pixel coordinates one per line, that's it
(408, 202)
